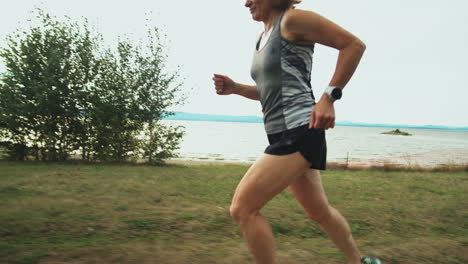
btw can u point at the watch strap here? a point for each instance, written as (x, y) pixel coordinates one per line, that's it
(330, 91)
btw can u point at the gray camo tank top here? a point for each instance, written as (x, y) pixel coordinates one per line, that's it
(281, 70)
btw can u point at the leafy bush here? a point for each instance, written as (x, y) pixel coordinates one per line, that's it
(64, 93)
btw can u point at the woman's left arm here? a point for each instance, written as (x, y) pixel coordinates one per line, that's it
(308, 28)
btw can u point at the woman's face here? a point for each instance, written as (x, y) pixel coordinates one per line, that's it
(260, 9)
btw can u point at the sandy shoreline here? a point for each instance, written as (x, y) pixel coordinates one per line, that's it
(441, 158)
(206, 162)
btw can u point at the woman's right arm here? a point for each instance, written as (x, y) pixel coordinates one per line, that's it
(225, 86)
(247, 91)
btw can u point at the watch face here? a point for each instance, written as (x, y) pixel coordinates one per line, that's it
(337, 93)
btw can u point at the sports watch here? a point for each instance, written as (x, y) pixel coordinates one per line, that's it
(335, 93)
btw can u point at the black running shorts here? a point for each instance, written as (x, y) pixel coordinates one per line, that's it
(310, 143)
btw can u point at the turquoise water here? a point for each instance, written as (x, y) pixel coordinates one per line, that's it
(245, 142)
(257, 119)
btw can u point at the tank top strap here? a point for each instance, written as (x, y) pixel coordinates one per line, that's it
(278, 22)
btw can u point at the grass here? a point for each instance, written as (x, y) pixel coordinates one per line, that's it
(66, 213)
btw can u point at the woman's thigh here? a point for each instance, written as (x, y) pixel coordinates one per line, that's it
(268, 176)
(309, 192)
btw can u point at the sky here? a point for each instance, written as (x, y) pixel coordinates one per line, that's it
(413, 72)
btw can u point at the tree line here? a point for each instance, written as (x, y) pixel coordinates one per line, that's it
(63, 93)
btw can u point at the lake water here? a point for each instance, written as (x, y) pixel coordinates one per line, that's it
(245, 142)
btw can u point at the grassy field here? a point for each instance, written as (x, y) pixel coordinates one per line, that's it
(65, 213)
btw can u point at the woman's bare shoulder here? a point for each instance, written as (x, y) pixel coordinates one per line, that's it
(298, 17)
(296, 21)
(309, 27)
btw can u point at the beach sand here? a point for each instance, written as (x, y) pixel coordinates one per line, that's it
(429, 160)
(432, 159)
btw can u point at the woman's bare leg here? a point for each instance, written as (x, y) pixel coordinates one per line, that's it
(309, 191)
(267, 177)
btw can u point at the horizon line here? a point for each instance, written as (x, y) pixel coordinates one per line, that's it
(258, 119)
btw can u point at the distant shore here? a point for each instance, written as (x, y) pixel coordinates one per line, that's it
(182, 116)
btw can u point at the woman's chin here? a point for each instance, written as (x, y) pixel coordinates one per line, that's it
(256, 18)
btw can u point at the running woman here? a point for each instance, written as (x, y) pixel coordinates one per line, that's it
(294, 122)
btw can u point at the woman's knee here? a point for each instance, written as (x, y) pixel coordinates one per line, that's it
(241, 214)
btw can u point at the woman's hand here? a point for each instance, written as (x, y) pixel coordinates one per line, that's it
(323, 114)
(223, 84)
